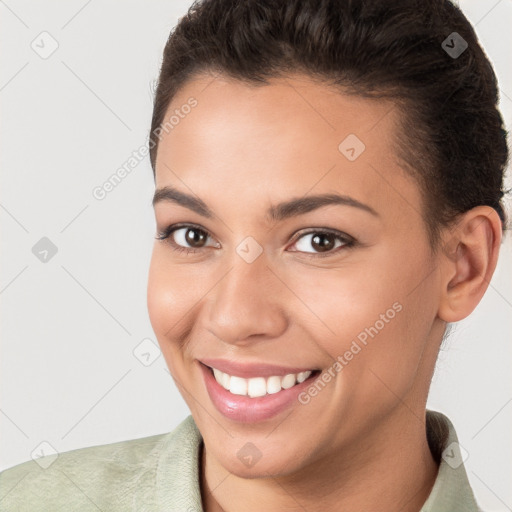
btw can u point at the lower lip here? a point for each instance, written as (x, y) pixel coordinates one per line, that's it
(250, 410)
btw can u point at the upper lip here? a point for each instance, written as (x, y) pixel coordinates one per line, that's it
(247, 370)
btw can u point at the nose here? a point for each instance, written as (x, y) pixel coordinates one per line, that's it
(246, 304)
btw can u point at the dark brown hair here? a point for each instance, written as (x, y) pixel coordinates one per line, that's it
(451, 136)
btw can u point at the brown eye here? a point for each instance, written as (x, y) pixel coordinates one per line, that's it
(187, 238)
(319, 241)
(195, 237)
(323, 242)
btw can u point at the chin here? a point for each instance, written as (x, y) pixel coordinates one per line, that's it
(261, 469)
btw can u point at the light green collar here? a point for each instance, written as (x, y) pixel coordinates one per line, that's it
(178, 487)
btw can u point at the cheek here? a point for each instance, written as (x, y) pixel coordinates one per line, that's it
(345, 302)
(171, 294)
(373, 316)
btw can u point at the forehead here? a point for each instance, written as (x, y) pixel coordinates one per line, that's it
(286, 139)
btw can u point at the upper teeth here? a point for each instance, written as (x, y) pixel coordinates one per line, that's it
(258, 386)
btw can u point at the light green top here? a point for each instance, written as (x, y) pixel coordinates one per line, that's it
(161, 473)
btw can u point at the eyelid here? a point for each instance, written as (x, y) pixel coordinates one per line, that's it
(169, 230)
(348, 241)
(331, 231)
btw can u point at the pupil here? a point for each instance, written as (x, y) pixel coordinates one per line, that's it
(324, 241)
(194, 236)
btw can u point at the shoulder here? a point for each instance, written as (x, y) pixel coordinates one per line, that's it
(105, 477)
(451, 490)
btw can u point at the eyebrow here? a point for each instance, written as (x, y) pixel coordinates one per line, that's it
(291, 208)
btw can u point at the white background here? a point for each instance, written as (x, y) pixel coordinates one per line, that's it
(69, 326)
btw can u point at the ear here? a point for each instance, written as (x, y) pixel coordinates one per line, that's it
(468, 261)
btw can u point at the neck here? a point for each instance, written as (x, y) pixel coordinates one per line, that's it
(389, 469)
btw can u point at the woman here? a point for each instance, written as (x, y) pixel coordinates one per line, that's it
(328, 199)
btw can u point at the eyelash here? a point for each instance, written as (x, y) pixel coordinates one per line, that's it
(347, 240)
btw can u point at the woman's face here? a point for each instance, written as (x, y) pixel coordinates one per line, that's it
(266, 285)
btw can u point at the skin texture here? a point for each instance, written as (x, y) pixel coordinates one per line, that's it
(360, 444)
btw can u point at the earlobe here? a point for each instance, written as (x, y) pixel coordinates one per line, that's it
(468, 262)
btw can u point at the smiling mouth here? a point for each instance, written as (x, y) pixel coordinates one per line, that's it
(260, 386)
